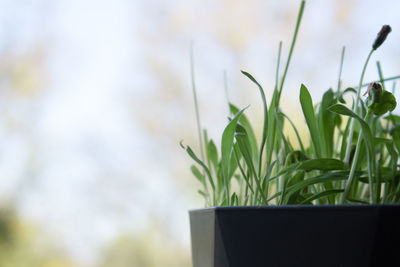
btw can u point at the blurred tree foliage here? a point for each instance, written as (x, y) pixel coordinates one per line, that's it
(23, 245)
(148, 249)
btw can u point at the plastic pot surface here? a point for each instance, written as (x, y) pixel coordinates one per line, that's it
(320, 236)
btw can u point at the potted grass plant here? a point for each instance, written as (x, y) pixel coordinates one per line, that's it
(330, 202)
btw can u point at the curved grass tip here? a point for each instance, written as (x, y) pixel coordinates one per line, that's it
(181, 144)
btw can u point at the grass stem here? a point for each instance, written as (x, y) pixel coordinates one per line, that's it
(355, 109)
(196, 105)
(350, 180)
(340, 69)
(300, 15)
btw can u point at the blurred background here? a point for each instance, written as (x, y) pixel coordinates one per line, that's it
(95, 96)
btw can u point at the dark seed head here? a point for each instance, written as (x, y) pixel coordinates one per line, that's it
(374, 92)
(374, 87)
(383, 33)
(370, 87)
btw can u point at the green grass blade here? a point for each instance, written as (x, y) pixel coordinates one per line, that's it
(244, 148)
(330, 177)
(266, 179)
(323, 164)
(226, 149)
(395, 133)
(265, 123)
(271, 135)
(206, 170)
(340, 69)
(295, 131)
(342, 110)
(196, 105)
(308, 111)
(212, 154)
(322, 194)
(284, 170)
(344, 140)
(294, 198)
(326, 123)
(357, 201)
(196, 172)
(244, 175)
(201, 163)
(202, 194)
(198, 175)
(324, 178)
(296, 31)
(243, 120)
(381, 79)
(277, 66)
(385, 80)
(369, 141)
(393, 118)
(342, 93)
(393, 162)
(233, 163)
(286, 145)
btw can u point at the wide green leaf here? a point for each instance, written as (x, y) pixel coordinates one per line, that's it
(308, 111)
(323, 164)
(386, 102)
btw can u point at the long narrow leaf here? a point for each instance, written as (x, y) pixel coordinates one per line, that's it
(243, 120)
(326, 123)
(295, 131)
(244, 148)
(226, 149)
(321, 164)
(308, 111)
(265, 123)
(198, 175)
(201, 163)
(324, 178)
(340, 109)
(322, 194)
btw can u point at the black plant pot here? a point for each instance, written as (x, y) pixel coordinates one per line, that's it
(320, 236)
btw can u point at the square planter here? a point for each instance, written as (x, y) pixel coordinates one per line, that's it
(320, 236)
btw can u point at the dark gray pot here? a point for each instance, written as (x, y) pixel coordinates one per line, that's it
(320, 236)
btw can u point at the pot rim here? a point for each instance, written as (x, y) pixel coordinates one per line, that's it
(295, 207)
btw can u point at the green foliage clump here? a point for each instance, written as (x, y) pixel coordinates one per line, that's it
(352, 156)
